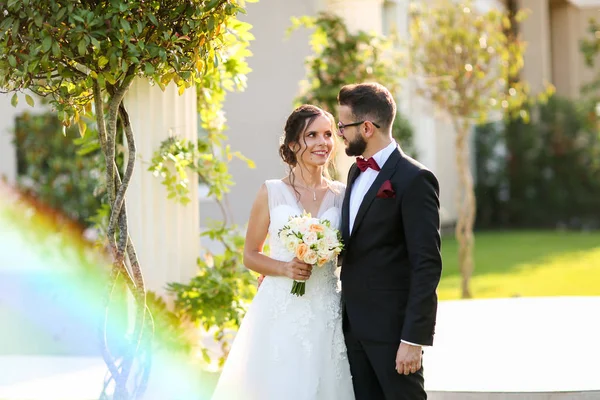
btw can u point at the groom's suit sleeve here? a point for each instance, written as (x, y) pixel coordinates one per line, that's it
(421, 218)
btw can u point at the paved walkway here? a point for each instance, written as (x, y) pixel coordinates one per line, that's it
(50, 378)
(516, 345)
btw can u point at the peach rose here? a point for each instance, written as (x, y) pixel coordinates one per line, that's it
(301, 251)
(321, 262)
(316, 228)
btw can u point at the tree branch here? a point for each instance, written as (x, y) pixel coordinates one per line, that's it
(100, 120)
(122, 187)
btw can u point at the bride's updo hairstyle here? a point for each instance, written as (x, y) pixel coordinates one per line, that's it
(295, 126)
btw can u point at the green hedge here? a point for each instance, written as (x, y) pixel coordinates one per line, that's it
(542, 174)
(50, 169)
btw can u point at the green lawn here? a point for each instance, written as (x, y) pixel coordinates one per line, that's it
(528, 263)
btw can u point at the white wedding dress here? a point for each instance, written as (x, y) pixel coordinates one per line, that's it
(289, 347)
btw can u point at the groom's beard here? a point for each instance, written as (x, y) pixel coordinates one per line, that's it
(356, 147)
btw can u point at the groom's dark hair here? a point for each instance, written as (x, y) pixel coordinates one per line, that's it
(369, 101)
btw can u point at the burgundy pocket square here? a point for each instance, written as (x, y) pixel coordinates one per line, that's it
(386, 191)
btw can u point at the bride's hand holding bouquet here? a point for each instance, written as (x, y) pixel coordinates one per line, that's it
(313, 242)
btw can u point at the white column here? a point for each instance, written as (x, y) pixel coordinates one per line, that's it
(165, 233)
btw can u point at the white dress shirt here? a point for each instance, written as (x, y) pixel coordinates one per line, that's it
(363, 183)
(365, 180)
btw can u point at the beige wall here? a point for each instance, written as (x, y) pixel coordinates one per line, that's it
(569, 25)
(553, 31)
(565, 52)
(365, 15)
(586, 73)
(257, 116)
(535, 30)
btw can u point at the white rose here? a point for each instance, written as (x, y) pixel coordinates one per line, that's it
(291, 243)
(331, 240)
(305, 226)
(323, 247)
(310, 238)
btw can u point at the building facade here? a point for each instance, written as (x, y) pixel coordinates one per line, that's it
(256, 117)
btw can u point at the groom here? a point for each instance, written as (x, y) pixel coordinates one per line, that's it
(392, 263)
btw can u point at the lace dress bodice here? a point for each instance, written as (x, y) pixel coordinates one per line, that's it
(283, 204)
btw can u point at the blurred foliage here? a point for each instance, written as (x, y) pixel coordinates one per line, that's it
(217, 297)
(177, 157)
(466, 61)
(340, 58)
(545, 174)
(171, 332)
(49, 168)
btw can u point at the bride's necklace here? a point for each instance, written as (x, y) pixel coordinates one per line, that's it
(312, 190)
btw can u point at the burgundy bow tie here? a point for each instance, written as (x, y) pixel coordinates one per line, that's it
(363, 164)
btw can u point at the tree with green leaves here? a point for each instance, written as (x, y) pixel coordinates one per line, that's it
(83, 57)
(341, 57)
(466, 62)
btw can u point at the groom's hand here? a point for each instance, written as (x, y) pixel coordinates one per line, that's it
(408, 359)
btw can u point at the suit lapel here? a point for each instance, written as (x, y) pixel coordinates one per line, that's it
(386, 173)
(346, 206)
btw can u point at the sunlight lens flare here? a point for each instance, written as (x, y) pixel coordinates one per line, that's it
(53, 283)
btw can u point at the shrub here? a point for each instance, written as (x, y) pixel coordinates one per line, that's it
(541, 174)
(50, 170)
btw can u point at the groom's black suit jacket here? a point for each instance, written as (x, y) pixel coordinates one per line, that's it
(391, 264)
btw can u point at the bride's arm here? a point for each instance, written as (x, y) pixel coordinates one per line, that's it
(254, 259)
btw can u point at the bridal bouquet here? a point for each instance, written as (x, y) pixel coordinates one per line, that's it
(312, 241)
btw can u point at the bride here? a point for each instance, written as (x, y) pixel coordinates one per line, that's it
(291, 347)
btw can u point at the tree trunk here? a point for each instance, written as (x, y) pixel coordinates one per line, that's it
(124, 258)
(466, 205)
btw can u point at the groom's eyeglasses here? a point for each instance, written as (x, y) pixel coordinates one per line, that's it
(342, 126)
